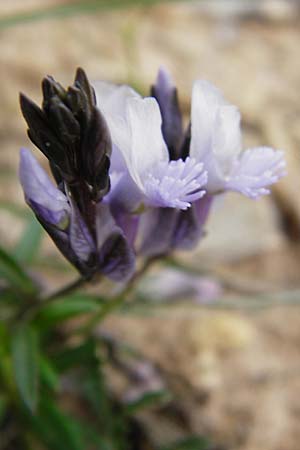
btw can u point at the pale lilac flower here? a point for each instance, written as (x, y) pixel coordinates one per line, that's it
(136, 130)
(59, 215)
(40, 193)
(52, 207)
(216, 141)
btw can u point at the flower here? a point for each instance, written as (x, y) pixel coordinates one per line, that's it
(216, 141)
(142, 165)
(72, 133)
(40, 193)
(128, 175)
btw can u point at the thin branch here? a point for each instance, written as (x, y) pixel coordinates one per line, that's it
(249, 303)
(80, 281)
(234, 282)
(116, 301)
(30, 311)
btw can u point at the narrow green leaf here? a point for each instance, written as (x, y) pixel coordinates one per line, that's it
(79, 355)
(13, 273)
(28, 246)
(48, 374)
(109, 416)
(55, 429)
(25, 356)
(147, 400)
(67, 308)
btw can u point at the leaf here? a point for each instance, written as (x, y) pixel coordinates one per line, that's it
(147, 400)
(94, 389)
(25, 355)
(13, 273)
(80, 355)
(28, 246)
(66, 308)
(108, 419)
(10, 304)
(55, 429)
(48, 374)
(108, 413)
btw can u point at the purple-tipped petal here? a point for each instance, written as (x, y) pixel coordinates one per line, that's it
(129, 225)
(157, 230)
(165, 93)
(190, 226)
(165, 229)
(81, 240)
(62, 242)
(116, 257)
(45, 199)
(125, 196)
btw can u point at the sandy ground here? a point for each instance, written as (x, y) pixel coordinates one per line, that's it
(236, 373)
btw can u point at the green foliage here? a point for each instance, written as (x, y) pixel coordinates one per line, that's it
(67, 308)
(13, 274)
(147, 400)
(28, 246)
(55, 429)
(25, 355)
(54, 389)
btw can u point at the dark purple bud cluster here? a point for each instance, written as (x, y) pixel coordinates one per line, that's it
(72, 133)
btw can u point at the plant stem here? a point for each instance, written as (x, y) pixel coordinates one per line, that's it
(228, 280)
(80, 281)
(116, 301)
(30, 311)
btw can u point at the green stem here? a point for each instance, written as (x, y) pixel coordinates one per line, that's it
(29, 312)
(80, 281)
(116, 301)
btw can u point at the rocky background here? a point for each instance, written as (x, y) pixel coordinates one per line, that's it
(230, 349)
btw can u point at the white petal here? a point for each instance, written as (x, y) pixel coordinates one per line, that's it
(226, 141)
(215, 133)
(147, 147)
(139, 137)
(206, 101)
(111, 98)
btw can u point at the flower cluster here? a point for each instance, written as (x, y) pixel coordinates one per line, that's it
(129, 178)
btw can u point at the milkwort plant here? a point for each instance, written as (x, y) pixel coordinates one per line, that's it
(129, 183)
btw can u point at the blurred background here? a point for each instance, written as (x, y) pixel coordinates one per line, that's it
(228, 336)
